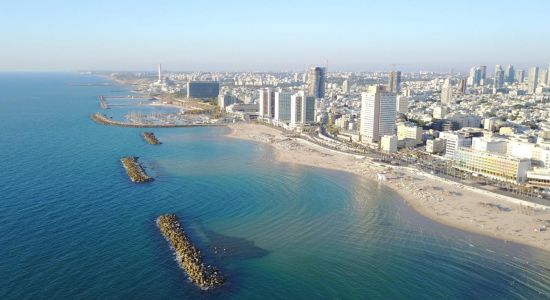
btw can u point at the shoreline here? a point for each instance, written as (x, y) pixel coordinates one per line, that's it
(445, 202)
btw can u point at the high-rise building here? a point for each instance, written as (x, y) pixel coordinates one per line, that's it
(509, 74)
(345, 86)
(377, 114)
(160, 74)
(499, 77)
(226, 100)
(475, 77)
(533, 80)
(447, 93)
(282, 106)
(483, 70)
(317, 81)
(402, 104)
(520, 76)
(439, 112)
(461, 86)
(267, 103)
(543, 77)
(548, 79)
(203, 89)
(302, 109)
(394, 82)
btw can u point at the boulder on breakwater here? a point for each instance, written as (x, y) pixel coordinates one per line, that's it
(150, 138)
(135, 170)
(188, 256)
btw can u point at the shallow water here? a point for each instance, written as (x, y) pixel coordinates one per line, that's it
(73, 226)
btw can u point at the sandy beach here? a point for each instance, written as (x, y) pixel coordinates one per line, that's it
(446, 202)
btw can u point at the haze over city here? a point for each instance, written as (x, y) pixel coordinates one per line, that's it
(272, 36)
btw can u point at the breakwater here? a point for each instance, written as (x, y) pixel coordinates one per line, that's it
(187, 255)
(102, 102)
(104, 120)
(135, 170)
(150, 138)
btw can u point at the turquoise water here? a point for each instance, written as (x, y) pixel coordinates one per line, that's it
(72, 226)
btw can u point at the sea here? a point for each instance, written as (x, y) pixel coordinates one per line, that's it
(73, 226)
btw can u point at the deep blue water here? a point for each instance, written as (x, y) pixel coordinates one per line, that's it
(72, 226)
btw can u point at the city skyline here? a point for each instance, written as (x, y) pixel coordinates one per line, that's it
(358, 36)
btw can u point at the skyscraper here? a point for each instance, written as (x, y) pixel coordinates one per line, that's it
(317, 81)
(282, 106)
(543, 77)
(520, 76)
(499, 77)
(394, 82)
(509, 74)
(447, 93)
(160, 74)
(475, 77)
(483, 70)
(533, 80)
(377, 114)
(345, 86)
(266, 107)
(462, 86)
(302, 109)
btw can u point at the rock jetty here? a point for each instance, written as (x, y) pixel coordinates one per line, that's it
(187, 255)
(135, 170)
(150, 138)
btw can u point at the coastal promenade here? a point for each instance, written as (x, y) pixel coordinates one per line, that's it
(104, 120)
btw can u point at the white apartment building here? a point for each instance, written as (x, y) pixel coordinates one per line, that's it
(388, 143)
(489, 145)
(454, 140)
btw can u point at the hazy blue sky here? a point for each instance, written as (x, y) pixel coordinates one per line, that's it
(272, 35)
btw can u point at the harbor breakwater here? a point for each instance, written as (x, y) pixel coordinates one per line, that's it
(188, 256)
(150, 138)
(104, 120)
(135, 171)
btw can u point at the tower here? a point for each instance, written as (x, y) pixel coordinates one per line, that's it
(499, 77)
(394, 82)
(533, 80)
(160, 73)
(447, 93)
(510, 74)
(316, 82)
(377, 114)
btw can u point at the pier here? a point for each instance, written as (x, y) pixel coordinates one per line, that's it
(135, 171)
(188, 256)
(150, 138)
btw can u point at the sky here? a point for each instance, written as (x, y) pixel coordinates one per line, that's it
(208, 35)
